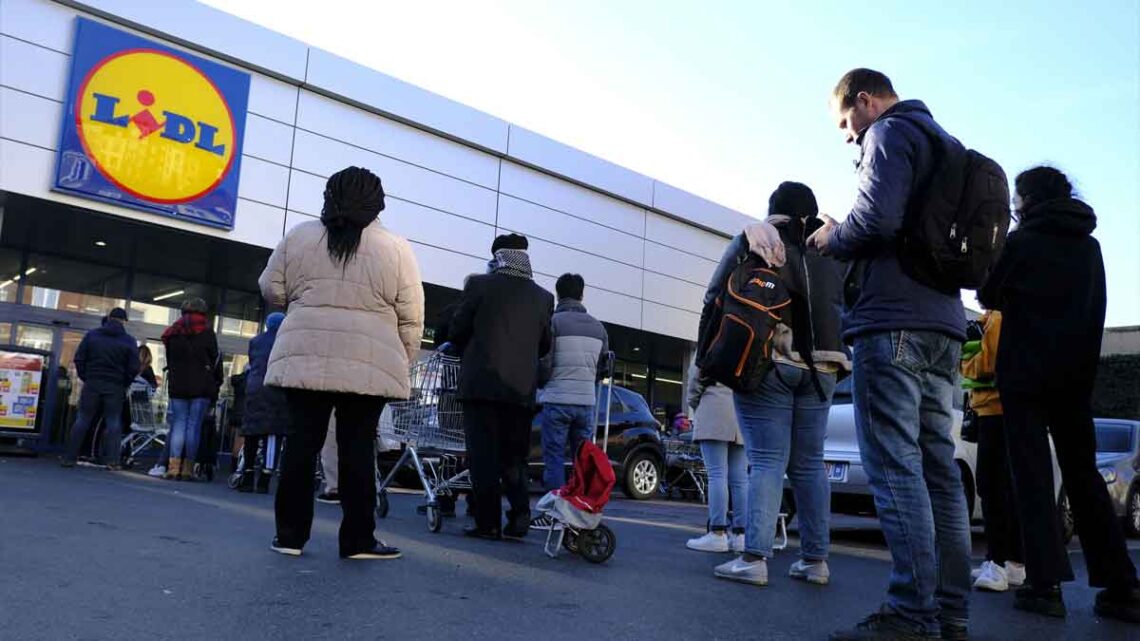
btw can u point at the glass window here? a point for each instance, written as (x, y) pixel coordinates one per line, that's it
(73, 286)
(157, 300)
(10, 274)
(5, 333)
(35, 337)
(239, 314)
(668, 388)
(633, 376)
(1113, 437)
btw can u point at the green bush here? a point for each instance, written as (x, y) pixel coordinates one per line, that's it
(1117, 391)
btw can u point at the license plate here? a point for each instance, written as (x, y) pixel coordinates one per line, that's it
(836, 472)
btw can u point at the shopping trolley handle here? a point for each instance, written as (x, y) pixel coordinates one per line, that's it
(445, 348)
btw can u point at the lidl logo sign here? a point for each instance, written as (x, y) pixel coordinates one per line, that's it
(152, 128)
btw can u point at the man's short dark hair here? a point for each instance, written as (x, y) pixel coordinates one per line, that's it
(570, 286)
(859, 80)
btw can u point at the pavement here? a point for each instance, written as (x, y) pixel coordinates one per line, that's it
(88, 554)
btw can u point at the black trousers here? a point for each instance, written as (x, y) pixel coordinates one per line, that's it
(357, 417)
(498, 437)
(1068, 417)
(995, 488)
(93, 404)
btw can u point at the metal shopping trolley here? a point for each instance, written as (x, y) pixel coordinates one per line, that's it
(148, 420)
(430, 427)
(684, 466)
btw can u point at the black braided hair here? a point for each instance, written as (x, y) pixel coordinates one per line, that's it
(354, 197)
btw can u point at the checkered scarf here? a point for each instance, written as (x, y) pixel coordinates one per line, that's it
(512, 262)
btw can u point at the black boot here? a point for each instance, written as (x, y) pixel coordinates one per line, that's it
(1122, 604)
(1041, 600)
(263, 479)
(247, 482)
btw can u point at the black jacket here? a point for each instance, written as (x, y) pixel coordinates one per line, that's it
(1050, 287)
(193, 364)
(266, 411)
(107, 359)
(502, 329)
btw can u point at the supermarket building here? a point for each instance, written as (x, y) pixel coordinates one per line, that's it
(150, 152)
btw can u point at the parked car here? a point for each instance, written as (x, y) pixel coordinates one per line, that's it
(1118, 458)
(850, 489)
(634, 446)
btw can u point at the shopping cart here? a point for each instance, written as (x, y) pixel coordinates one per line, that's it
(430, 427)
(148, 421)
(684, 466)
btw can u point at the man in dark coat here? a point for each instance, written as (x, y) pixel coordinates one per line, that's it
(107, 360)
(1050, 287)
(502, 329)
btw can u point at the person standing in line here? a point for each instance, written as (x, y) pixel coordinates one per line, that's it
(329, 458)
(1049, 285)
(502, 329)
(266, 415)
(1004, 557)
(107, 362)
(146, 368)
(195, 375)
(355, 318)
(716, 429)
(784, 422)
(907, 341)
(571, 373)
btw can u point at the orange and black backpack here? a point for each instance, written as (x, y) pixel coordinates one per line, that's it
(735, 342)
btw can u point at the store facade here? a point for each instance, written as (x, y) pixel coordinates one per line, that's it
(122, 187)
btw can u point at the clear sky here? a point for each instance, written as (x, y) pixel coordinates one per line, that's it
(726, 99)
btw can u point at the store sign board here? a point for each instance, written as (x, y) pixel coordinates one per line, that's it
(151, 127)
(21, 375)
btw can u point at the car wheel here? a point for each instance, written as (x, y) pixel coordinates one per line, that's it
(642, 476)
(1065, 515)
(1132, 514)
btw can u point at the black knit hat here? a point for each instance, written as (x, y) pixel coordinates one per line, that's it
(510, 241)
(793, 199)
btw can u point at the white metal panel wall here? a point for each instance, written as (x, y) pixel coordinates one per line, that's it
(449, 194)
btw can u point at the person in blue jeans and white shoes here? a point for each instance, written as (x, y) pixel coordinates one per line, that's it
(907, 340)
(571, 374)
(784, 422)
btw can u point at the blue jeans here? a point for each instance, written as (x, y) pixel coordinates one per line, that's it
(903, 392)
(559, 421)
(727, 467)
(784, 424)
(92, 403)
(185, 417)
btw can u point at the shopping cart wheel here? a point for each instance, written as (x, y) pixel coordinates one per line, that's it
(570, 541)
(234, 480)
(597, 545)
(434, 518)
(382, 504)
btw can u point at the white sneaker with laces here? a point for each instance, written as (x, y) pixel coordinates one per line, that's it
(755, 572)
(992, 578)
(815, 572)
(157, 471)
(736, 543)
(710, 542)
(1015, 574)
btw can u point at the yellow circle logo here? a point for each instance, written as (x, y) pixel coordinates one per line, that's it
(155, 126)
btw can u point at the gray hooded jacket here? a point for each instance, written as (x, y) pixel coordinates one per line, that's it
(571, 368)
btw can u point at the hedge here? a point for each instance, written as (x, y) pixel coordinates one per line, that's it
(1117, 391)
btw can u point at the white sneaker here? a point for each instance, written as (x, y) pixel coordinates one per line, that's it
(755, 573)
(736, 543)
(158, 471)
(711, 542)
(992, 578)
(1015, 574)
(815, 572)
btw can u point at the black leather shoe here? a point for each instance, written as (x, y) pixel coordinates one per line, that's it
(1039, 600)
(479, 533)
(883, 626)
(1122, 605)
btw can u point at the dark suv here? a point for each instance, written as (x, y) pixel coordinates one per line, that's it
(634, 449)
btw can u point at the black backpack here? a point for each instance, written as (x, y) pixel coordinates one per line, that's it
(954, 228)
(735, 347)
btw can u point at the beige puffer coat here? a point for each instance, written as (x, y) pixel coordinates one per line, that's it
(351, 328)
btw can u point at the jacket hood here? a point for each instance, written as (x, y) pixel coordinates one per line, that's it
(900, 107)
(1061, 217)
(112, 328)
(570, 305)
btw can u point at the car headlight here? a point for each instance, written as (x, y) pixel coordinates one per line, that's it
(1108, 474)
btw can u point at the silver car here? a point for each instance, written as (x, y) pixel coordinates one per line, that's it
(1118, 458)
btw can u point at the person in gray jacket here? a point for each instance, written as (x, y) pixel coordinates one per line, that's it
(717, 429)
(571, 374)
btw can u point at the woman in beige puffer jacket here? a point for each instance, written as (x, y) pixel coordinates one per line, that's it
(354, 319)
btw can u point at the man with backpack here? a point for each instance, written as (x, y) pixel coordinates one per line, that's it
(907, 337)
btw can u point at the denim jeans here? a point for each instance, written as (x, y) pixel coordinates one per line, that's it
(784, 424)
(559, 421)
(727, 467)
(185, 417)
(94, 403)
(903, 393)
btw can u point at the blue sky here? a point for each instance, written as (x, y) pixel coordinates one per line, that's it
(726, 99)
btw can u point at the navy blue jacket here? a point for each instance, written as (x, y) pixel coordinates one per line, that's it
(896, 157)
(266, 410)
(107, 359)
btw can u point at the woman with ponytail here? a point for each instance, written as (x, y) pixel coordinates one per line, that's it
(355, 320)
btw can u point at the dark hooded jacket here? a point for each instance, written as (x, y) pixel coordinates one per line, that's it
(1050, 287)
(107, 359)
(266, 409)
